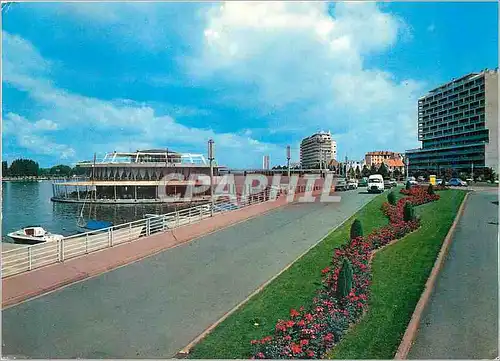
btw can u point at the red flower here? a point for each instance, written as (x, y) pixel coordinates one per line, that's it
(325, 270)
(296, 349)
(309, 317)
(304, 342)
(294, 313)
(310, 353)
(301, 323)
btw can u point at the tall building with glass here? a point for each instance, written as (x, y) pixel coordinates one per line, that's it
(458, 126)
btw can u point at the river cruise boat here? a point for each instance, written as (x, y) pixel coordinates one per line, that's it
(134, 177)
(33, 235)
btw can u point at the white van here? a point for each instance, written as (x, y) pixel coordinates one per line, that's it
(375, 183)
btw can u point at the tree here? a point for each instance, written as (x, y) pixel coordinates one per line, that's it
(489, 174)
(430, 189)
(448, 174)
(356, 229)
(5, 169)
(408, 212)
(365, 172)
(391, 198)
(358, 172)
(61, 170)
(23, 168)
(351, 172)
(344, 283)
(373, 169)
(383, 171)
(78, 171)
(397, 173)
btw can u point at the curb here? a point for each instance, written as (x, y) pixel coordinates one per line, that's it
(184, 352)
(413, 325)
(83, 276)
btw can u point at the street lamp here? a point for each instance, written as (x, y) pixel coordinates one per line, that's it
(288, 156)
(211, 160)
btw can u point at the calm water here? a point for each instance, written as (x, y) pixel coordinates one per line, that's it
(28, 203)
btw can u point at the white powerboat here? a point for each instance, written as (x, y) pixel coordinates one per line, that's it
(34, 235)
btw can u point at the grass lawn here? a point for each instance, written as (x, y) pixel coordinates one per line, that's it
(399, 275)
(292, 289)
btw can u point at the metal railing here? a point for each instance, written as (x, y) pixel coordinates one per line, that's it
(27, 258)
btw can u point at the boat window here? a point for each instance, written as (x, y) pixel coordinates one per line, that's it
(29, 231)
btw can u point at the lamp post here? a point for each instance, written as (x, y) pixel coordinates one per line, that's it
(288, 156)
(211, 160)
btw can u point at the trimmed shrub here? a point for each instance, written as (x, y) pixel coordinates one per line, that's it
(408, 185)
(408, 212)
(391, 198)
(430, 189)
(356, 229)
(344, 283)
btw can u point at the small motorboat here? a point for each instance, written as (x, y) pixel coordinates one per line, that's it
(34, 235)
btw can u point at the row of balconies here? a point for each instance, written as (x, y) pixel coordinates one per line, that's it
(451, 100)
(454, 87)
(447, 123)
(440, 135)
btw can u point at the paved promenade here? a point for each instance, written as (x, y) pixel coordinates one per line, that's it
(461, 318)
(154, 307)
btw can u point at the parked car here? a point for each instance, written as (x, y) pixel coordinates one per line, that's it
(375, 183)
(387, 184)
(363, 182)
(421, 179)
(457, 182)
(352, 184)
(393, 182)
(341, 185)
(412, 181)
(441, 182)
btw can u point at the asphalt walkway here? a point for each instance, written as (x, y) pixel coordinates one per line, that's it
(154, 307)
(461, 318)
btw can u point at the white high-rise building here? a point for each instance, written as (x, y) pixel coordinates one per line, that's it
(266, 162)
(317, 150)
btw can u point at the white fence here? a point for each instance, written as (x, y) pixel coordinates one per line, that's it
(27, 258)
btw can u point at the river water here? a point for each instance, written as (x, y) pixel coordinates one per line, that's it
(28, 204)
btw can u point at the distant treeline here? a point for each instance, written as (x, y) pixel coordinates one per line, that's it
(30, 168)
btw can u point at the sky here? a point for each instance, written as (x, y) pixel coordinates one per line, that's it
(79, 78)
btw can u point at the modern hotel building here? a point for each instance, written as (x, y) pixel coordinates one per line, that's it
(317, 150)
(458, 125)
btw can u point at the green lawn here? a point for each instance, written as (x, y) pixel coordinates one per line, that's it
(293, 288)
(399, 275)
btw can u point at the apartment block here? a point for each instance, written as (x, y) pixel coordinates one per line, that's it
(458, 125)
(317, 150)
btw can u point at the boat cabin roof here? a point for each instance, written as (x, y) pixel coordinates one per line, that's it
(34, 231)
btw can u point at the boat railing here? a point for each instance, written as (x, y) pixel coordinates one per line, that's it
(27, 258)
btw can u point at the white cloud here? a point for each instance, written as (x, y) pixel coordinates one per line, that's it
(296, 53)
(117, 121)
(28, 136)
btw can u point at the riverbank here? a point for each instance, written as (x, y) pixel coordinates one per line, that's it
(34, 179)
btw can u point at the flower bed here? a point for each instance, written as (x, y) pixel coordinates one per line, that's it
(310, 333)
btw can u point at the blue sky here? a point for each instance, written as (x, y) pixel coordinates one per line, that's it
(80, 78)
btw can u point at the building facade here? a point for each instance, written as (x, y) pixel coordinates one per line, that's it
(126, 177)
(378, 157)
(317, 150)
(458, 126)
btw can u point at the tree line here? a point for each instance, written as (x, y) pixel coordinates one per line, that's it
(29, 168)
